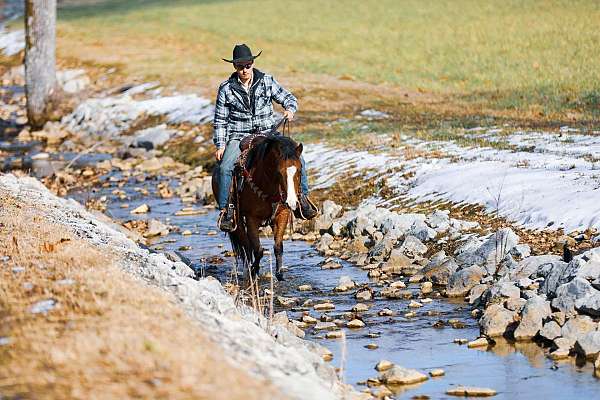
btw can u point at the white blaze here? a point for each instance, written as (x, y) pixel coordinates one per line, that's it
(292, 199)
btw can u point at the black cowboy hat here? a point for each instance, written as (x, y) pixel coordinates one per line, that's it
(242, 53)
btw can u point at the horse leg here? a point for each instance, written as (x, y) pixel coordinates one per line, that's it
(279, 225)
(254, 241)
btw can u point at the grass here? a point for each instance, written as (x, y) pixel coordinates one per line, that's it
(533, 56)
(110, 336)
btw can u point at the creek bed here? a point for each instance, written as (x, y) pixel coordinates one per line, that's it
(516, 371)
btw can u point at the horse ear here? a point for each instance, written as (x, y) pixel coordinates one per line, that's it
(299, 149)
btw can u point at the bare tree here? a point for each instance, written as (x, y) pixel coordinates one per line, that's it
(40, 59)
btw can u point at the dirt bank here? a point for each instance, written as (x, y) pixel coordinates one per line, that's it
(87, 313)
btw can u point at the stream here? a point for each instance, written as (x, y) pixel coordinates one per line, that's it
(515, 371)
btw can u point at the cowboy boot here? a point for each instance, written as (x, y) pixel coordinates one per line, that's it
(306, 208)
(227, 218)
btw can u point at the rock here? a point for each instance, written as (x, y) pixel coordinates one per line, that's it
(384, 365)
(489, 253)
(588, 345)
(412, 247)
(329, 211)
(590, 304)
(331, 265)
(576, 328)
(402, 376)
(499, 292)
(372, 346)
(324, 307)
(515, 304)
(461, 282)
(397, 263)
(142, 209)
(72, 80)
(309, 320)
(360, 307)
(534, 312)
(437, 372)
(439, 272)
(496, 320)
(470, 391)
(364, 294)
(552, 273)
(521, 251)
(415, 304)
(287, 301)
(382, 249)
(345, 283)
(462, 341)
(568, 293)
(305, 288)
(479, 342)
(398, 285)
(325, 326)
(439, 220)
(356, 324)
(410, 314)
(385, 312)
(476, 293)
(421, 231)
(334, 334)
(323, 243)
(156, 228)
(426, 287)
(153, 138)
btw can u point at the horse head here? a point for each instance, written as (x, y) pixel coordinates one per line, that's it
(281, 162)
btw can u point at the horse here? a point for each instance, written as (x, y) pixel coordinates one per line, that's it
(269, 194)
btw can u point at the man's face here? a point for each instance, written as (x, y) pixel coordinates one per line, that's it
(244, 70)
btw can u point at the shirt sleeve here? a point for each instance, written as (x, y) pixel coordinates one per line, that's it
(221, 119)
(283, 96)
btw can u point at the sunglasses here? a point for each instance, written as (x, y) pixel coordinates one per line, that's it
(240, 67)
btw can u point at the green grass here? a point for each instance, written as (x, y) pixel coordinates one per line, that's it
(529, 55)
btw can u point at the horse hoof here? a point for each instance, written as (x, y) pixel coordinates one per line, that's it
(279, 276)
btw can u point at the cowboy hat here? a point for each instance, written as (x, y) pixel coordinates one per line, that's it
(242, 53)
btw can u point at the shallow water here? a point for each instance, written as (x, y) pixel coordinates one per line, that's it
(518, 371)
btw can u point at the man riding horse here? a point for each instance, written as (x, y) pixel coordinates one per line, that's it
(244, 107)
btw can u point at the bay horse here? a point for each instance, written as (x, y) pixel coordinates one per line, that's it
(269, 194)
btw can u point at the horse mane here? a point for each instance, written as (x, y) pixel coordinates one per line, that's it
(287, 148)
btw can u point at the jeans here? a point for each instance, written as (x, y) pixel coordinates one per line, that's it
(230, 156)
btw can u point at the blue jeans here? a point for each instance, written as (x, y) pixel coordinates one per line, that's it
(230, 156)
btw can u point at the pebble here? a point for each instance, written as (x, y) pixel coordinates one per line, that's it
(426, 287)
(356, 324)
(398, 285)
(415, 304)
(304, 288)
(364, 294)
(384, 365)
(143, 209)
(211, 233)
(426, 300)
(360, 307)
(327, 355)
(372, 346)
(437, 372)
(559, 354)
(325, 326)
(331, 265)
(324, 306)
(187, 232)
(334, 335)
(471, 391)
(188, 211)
(386, 312)
(309, 320)
(461, 341)
(480, 342)
(410, 314)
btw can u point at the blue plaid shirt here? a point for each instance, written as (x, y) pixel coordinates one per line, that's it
(239, 113)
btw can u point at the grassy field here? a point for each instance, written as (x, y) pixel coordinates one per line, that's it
(533, 56)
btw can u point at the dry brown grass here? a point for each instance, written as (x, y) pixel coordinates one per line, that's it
(110, 336)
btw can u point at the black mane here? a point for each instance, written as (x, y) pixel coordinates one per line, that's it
(287, 148)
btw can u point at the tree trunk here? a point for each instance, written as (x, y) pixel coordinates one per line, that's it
(40, 58)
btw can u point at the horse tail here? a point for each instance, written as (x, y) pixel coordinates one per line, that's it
(241, 246)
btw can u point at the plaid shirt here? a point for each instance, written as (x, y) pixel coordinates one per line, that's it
(239, 113)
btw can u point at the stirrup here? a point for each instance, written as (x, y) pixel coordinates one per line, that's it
(312, 212)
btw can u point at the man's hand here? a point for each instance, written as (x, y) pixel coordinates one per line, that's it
(219, 153)
(289, 115)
